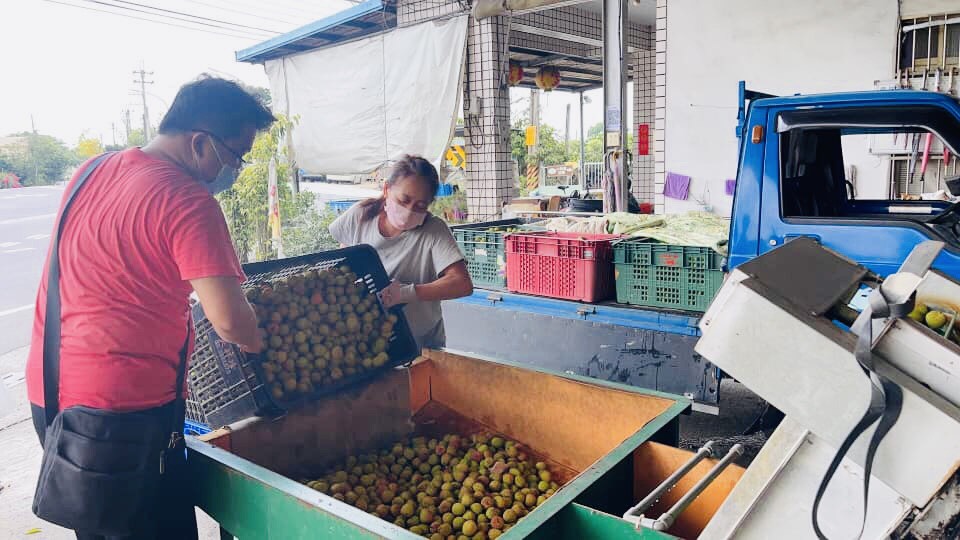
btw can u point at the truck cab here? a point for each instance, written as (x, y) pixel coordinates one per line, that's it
(795, 177)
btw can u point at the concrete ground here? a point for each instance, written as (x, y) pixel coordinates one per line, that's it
(20, 461)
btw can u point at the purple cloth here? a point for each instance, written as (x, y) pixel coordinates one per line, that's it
(677, 186)
(730, 187)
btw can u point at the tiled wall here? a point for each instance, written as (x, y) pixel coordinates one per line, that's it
(660, 106)
(643, 113)
(416, 11)
(489, 163)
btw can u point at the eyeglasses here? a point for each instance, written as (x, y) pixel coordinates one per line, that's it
(240, 161)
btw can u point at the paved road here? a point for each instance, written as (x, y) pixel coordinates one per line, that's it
(26, 219)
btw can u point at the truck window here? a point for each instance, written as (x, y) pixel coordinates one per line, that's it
(841, 173)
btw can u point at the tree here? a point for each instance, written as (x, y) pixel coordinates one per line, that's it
(551, 150)
(41, 160)
(245, 206)
(136, 138)
(87, 147)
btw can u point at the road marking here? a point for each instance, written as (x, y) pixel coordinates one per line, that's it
(28, 218)
(8, 244)
(36, 237)
(16, 310)
(18, 250)
(25, 196)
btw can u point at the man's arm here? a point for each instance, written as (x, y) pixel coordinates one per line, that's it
(228, 311)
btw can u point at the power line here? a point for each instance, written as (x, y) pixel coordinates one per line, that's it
(237, 34)
(147, 6)
(242, 12)
(201, 23)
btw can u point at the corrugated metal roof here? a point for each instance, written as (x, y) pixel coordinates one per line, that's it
(367, 18)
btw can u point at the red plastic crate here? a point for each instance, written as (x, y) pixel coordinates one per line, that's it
(571, 266)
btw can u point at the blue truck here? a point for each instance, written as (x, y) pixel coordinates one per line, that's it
(791, 183)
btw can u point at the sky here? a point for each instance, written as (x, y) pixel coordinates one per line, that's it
(68, 69)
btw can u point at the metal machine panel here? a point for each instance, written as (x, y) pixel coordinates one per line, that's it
(804, 366)
(774, 498)
(647, 349)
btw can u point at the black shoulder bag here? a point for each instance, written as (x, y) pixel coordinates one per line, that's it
(100, 469)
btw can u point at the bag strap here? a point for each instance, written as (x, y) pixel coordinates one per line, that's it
(180, 402)
(51, 323)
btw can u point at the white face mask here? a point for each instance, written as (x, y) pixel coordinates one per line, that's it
(223, 181)
(225, 178)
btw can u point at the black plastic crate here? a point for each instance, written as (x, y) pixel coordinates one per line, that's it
(226, 383)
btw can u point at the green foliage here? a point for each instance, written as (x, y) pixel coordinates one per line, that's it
(245, 206)
(136, 138)
(551, 150)
(452, 209)
(42, 159)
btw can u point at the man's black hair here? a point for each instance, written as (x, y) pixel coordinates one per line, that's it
(217, 105)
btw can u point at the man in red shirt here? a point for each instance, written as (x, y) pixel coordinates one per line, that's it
(142, 234)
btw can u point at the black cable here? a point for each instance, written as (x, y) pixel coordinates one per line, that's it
(213, 32)
(107, 4)
(147, 6)
(247, 13)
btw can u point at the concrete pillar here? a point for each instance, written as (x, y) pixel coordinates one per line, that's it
(486, 113)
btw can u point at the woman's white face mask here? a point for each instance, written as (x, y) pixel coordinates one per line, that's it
(402, 217)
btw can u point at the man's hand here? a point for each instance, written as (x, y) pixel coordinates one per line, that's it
(228, 311)
(260, 345)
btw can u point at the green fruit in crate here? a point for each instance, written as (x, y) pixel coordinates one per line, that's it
(935, 319)
(919, 312)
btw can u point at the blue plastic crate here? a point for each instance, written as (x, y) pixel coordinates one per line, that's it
(195, 428)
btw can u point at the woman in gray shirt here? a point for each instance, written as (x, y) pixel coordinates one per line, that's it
(417, 248)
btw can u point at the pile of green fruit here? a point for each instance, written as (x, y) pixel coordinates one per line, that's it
(448, 489)
(322, 327)
(934, 319)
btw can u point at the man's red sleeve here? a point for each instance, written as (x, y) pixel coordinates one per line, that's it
(200, 241)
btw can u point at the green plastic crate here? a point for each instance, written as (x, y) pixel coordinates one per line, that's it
(483, 250)
(666, 276)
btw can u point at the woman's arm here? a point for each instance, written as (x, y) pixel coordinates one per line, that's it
(454, 282)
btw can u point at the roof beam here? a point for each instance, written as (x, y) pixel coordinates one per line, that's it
(541, 53)
(542, 60)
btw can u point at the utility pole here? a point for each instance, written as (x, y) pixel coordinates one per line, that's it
(33, 126)
(566, 133)
(126, 125)
(113, 132)
(143, 82)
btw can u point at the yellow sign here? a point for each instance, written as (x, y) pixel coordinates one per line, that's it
(531, 136)
(457, 156)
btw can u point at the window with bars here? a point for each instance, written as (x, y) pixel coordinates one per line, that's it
(930, 42)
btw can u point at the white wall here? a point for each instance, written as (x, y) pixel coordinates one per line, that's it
(777, 46)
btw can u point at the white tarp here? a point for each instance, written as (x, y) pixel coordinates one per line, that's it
(367, 102)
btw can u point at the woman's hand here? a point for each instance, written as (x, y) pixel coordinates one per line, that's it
(398, 293)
